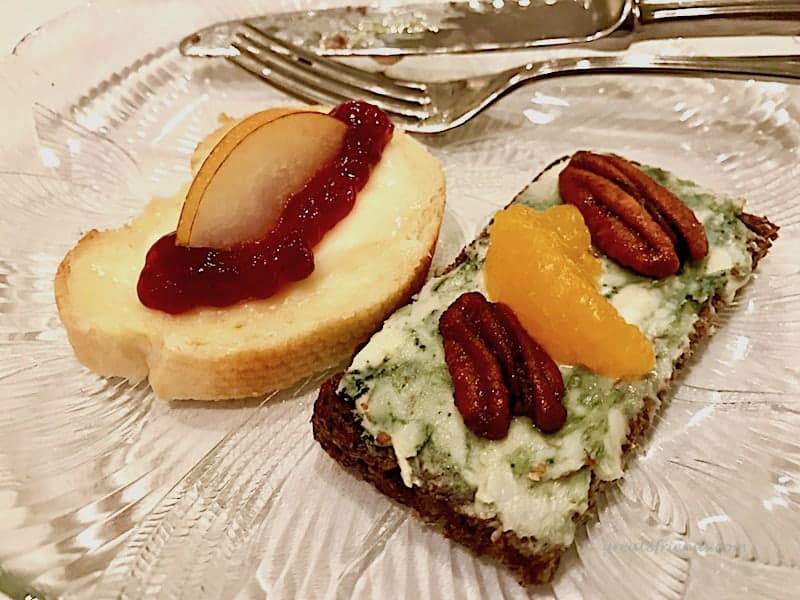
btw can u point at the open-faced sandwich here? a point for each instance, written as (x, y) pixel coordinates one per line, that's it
(300, 233)
(503, 397)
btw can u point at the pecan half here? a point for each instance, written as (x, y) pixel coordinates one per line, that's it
(632, 218)
(540, 378)
(498, 369)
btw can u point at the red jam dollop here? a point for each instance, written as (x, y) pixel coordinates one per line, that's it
(176, 278)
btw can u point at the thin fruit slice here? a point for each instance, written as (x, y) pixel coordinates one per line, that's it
(534, 265)
(239, 191)
(226, 123)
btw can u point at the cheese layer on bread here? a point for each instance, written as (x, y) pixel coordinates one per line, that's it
(531, 483)
(365, 267)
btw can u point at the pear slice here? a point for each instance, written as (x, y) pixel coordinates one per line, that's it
(239, 191)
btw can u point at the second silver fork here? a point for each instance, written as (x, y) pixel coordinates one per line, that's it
(437, 107)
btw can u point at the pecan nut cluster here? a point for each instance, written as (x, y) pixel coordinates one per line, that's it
(498, 370)
(632, 218)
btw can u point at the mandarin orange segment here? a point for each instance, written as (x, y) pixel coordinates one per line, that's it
(540, 265)
(567, 221)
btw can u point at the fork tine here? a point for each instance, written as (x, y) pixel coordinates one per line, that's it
(296, 75)
(288, 85)
(411, 91)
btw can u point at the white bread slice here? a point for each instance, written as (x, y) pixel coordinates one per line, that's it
(366, 267)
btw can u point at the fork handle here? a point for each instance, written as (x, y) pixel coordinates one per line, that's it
(777, 67)
(784, 67)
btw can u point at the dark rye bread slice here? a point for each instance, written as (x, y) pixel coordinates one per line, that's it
(339, 432)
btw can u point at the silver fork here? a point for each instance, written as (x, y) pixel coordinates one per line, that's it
(436, 107)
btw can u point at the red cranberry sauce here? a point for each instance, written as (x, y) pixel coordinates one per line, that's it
(176, 278)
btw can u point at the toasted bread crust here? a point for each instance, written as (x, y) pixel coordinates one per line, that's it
(339, 432)
(244, 373)
(244, 369)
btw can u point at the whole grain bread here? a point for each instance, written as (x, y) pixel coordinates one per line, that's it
(341, 435)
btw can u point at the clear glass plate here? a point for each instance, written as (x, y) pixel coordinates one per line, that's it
(107, 492)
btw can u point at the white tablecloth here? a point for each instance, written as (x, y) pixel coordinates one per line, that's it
(22, 17)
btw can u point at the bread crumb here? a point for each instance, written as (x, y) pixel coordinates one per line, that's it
(536, 472)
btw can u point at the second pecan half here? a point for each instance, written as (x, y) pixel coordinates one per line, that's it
(633, 219)
(498, 369)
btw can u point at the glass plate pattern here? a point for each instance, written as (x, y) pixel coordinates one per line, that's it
(107, 492)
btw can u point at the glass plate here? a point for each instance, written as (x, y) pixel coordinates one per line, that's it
(107, 492)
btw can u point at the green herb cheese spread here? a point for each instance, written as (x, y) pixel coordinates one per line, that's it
(529, 482)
